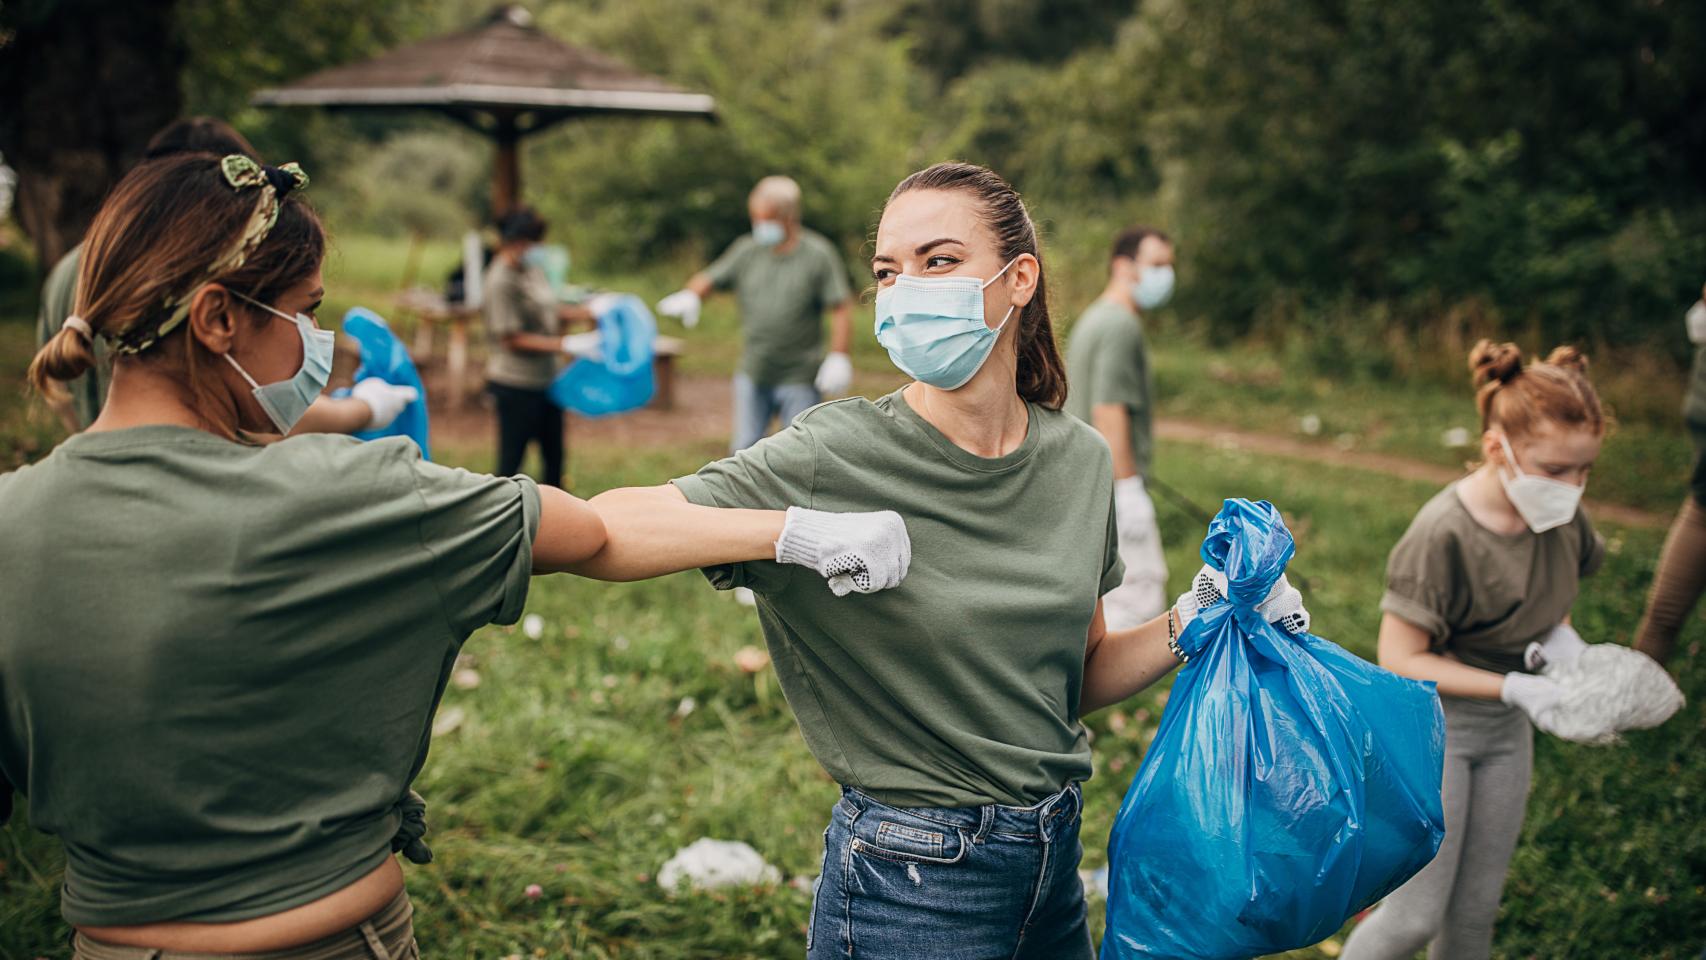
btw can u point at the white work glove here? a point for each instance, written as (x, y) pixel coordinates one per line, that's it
(1560, 647)
(1283, 607)
(684, 304)
(1134, 512)
(385, 400)
(835, 376)
(1535, 696)
(856, 552)
(1695, 320)
(588, 344)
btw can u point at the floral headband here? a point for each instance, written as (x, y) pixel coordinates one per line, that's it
(241, 173)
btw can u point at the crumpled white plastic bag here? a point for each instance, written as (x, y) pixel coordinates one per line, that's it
(707, 864)
(1608, 689)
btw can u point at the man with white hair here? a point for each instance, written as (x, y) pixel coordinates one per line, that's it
(784, 278)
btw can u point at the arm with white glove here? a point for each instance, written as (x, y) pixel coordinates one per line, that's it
(683, 304)
(1283, 606)
(651, 531)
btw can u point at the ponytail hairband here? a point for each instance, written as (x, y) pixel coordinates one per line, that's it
(240, 172)
(74, 322)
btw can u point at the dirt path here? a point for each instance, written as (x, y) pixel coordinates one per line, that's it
(701, 416)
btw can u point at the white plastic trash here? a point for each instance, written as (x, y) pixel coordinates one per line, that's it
(707, 864)
(1608, 688)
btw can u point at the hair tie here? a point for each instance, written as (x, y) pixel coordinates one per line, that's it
(74, 322)
(283, 181)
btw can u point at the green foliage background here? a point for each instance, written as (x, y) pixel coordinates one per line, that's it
(1534, 168)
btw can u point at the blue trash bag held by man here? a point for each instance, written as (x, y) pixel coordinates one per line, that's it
(1291, 784)
(618, 378)
(384, 356)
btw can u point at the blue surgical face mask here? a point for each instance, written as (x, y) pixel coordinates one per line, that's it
(287, 400)
(933, 327)
(768, 233)
(1154, 287)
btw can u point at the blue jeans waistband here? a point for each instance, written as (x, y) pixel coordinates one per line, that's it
(1040, 821)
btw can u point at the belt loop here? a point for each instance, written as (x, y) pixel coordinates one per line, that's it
(374, 944)
(986, 820)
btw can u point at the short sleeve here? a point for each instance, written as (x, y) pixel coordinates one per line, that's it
(1419, 578)
(1593, 545)
(725, 270)
(1116, 370)
(1113, 567)
(833, 289)
(775, 473)
(479, 530)
(506, 305)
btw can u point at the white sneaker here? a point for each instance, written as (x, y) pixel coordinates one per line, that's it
(744, 597)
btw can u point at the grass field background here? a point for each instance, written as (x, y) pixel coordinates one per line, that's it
(575, 766)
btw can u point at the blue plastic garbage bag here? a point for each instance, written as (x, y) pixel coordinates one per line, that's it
(619, 378)
(1291, 784)
(385, 357)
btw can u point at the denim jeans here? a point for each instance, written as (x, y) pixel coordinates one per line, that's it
(757, 403)
(961, 883)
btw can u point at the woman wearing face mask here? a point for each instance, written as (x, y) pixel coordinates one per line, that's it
(219, 659)
(948, 709)
(1478, 595)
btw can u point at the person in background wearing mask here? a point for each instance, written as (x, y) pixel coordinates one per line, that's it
(1681, 576)
(1107, 363)
(220, 658)
(372, 403)
(526, 325)
(949, 710)
(784, 277)
(1478, 597)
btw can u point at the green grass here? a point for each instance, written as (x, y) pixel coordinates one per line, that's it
(572, 769)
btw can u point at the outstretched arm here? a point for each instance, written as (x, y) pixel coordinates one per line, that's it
(651, 531)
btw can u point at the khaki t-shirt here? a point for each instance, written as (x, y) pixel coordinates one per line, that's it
(219, 663)
(960, 686)
(782, 297)
(1482, 596)
(1107, 362)
(519, 300)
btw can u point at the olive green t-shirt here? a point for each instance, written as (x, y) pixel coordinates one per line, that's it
(219, 662)
(782, 297)
(519, 300)
(1482, 596)
(58, 299)
(960, 686)
(1107, 362)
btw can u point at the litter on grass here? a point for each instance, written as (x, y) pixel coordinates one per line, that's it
(707, 864)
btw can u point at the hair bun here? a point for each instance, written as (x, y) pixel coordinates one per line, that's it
(1569, 358)
(1490, 361)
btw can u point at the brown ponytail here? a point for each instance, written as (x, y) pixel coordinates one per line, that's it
(67, 355)
(1516, 398)
(1041, 373)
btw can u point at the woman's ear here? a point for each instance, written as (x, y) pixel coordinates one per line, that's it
(1024, 276)
(212, 318)
(1492, 451)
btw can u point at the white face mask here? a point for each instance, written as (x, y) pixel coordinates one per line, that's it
(1544, 503)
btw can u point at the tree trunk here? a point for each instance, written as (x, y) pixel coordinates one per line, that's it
(85, 83)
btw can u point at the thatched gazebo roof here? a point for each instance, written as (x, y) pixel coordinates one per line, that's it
(503, 78)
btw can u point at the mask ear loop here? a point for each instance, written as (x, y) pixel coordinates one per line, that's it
(1510, 456)
(1011, 306)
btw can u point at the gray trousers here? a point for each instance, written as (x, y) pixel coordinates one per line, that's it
(1450, 906)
